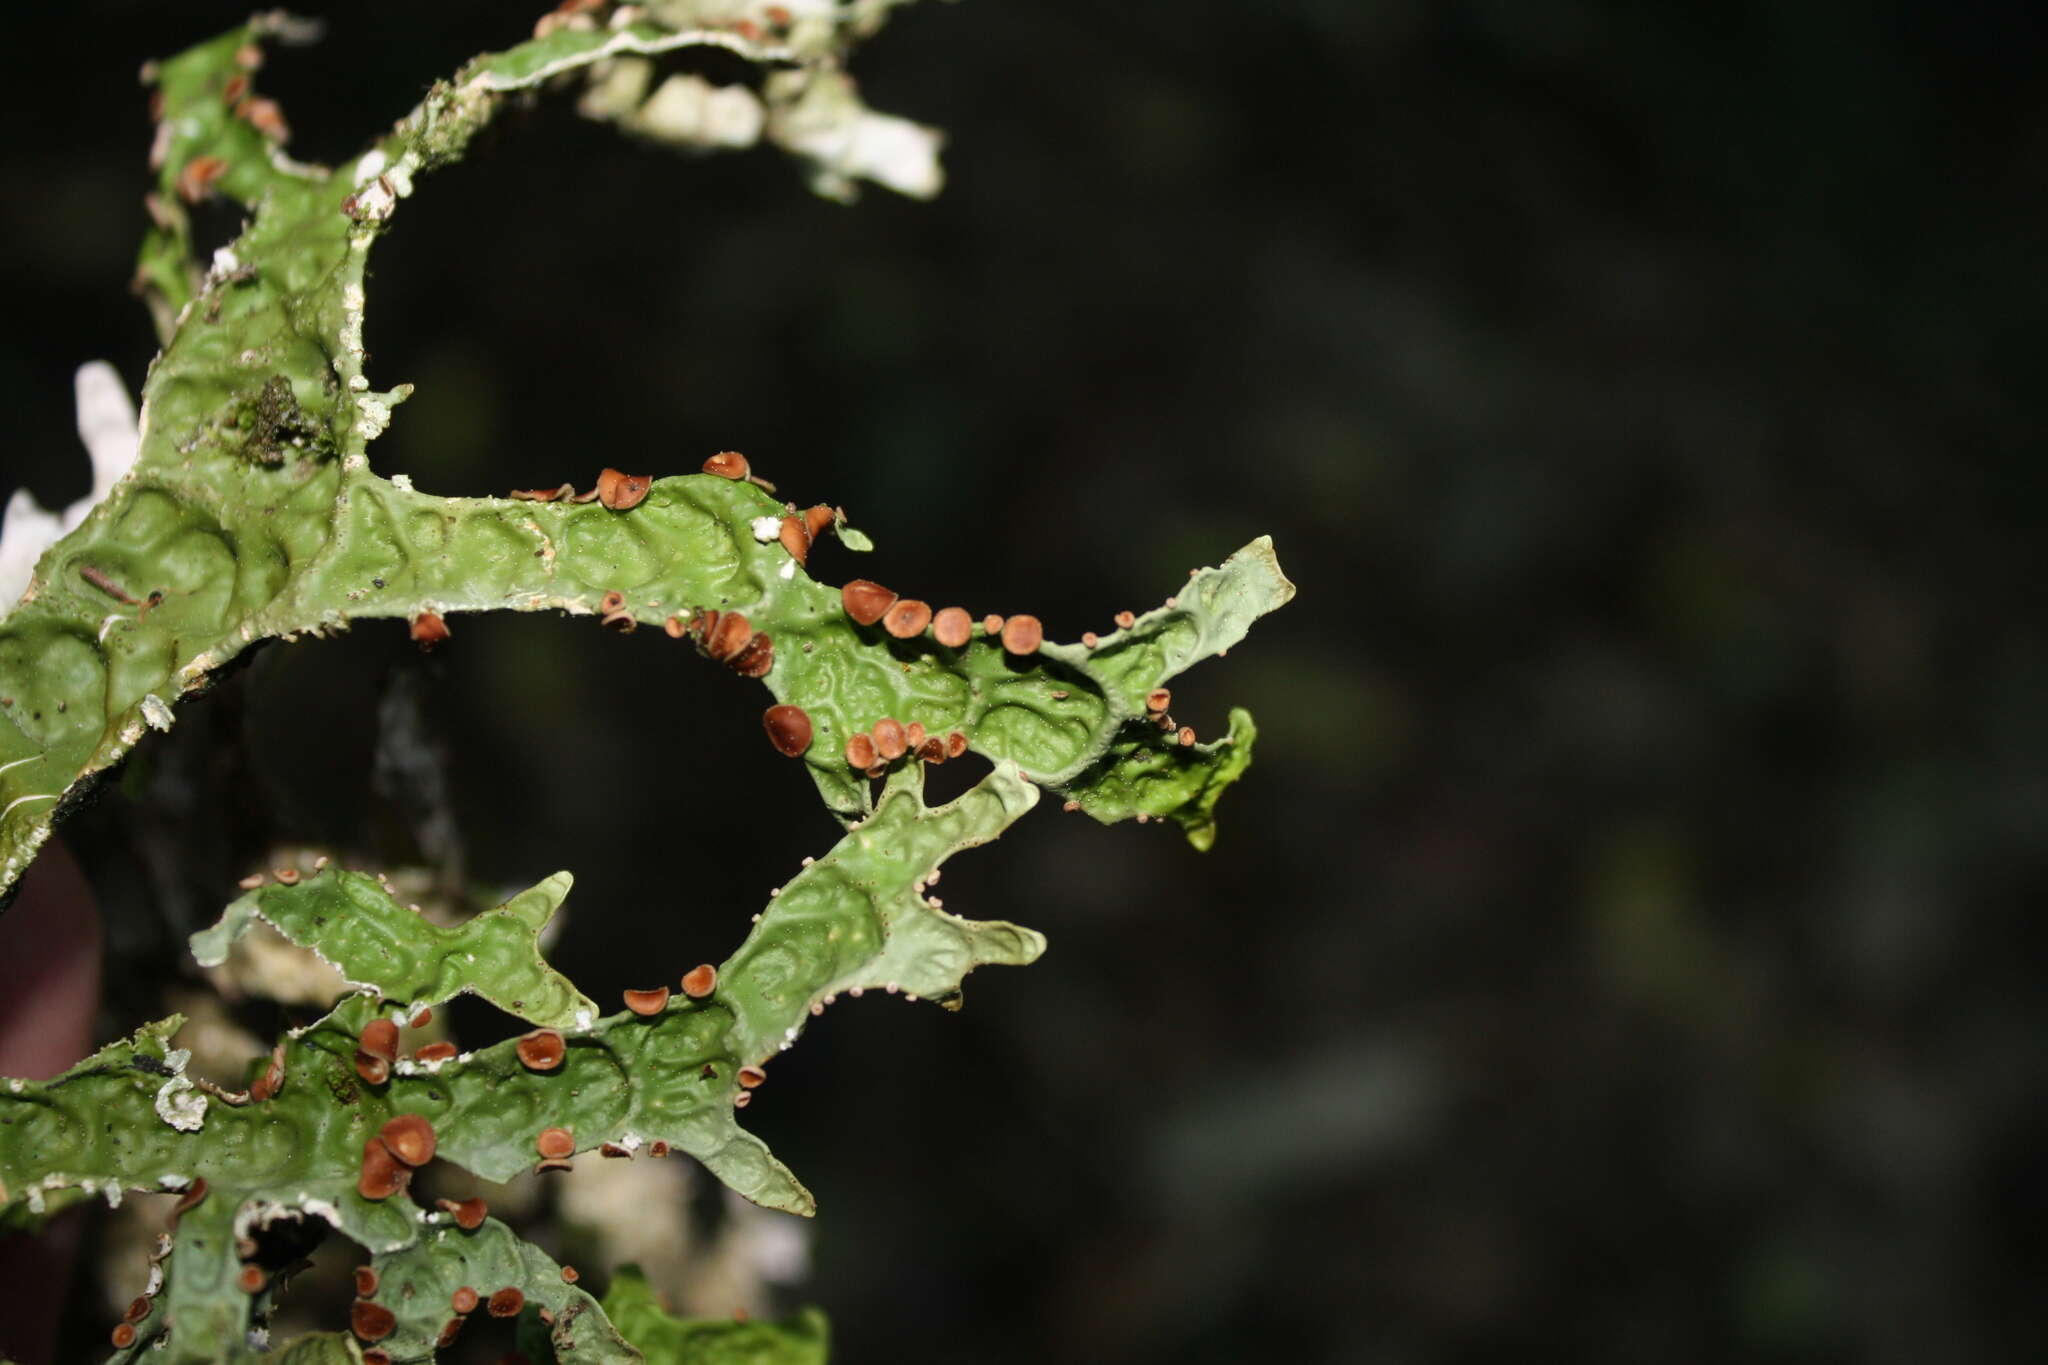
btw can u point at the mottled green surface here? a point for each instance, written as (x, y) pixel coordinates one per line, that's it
(418, 1285)
(253, 511)
(350, 920)
(320, 1348)
(252, 514)
(668, 1340)
(128, 1118)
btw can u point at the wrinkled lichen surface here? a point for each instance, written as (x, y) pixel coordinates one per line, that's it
(252, 514)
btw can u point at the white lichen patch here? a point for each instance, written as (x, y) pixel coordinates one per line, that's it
(766, 528)
(819, 116)
(178, 1102)
(693, 111)
(372, 416)
(156, 712)
(320, 1208)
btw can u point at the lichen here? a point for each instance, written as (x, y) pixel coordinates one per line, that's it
(247, 511)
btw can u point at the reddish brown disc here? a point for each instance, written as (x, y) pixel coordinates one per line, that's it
(371, 1321)
(789, 729)
(569, 1275)
(382, 1175)
(1125, 620)
(428, 629)
(675, 627)
(541, 1050)
(907, 618)
(123, 1336)
(555, 1143)
(1158, 699)
(865, 601)
(266, 1086)
(751, 1076)
(889, 739)
(450, 1330)
(199, 176)
(704, 626)
(816, 519)
(953, 627)
(190, 1199)
(436, 1052)
(252, 1279)
(410, 1138)
(380, 1039)
(727, 464)
(469, 1215)
(375, 1070)
(611, 602)
(1023, 635)
(757, 658)
(860, 752)
(932, 750)
(913, 733)
(621, 491)
(464, 1300)
(366, 1282)
(1186, 735)
(507, 1302)
(700, 981)
(795, 538)
(732, 636)
(649, 1001)
(266, 116)
(138, 1309)
(956, 744)
(376, 1356)
(422, 1019)
(992, 624)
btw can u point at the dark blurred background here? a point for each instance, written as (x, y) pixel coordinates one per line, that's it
(1624, 945)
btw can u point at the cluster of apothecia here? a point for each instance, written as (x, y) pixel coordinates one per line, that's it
(198, 176)
(372, 1321)
(377, 1046)
(890, 739)
(906, 618)
(124, 1333)
(407, 1142)
(615, 490)
(724, 637)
